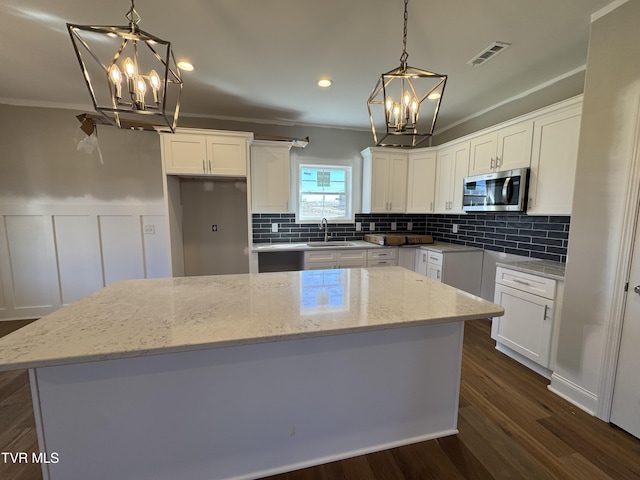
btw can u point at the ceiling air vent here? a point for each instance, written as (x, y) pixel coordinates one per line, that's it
(491, 51)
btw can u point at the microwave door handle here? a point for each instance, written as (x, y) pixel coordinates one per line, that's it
(507, 191)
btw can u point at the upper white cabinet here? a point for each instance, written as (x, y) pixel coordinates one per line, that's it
(452, 166)
(503, 149)
(553, 162)
(384, 181)
(270, 171)
(421, 186)
(203, 153)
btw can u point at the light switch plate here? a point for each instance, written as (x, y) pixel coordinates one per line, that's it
(409, 225)
(372, 226)
(394, 226)
(358, 226)
(274, 227)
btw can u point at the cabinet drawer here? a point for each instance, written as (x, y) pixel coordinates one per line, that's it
(382, 254)
(381, 263)
(542, 286)
(320, 256)
(434, 258)
(351, 255)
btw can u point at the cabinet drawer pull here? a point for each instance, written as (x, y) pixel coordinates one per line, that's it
(434, 258)
(546, 309)
(204, 170)
(521, 282)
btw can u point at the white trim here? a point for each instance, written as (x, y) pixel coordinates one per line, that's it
(607, 10)
(44, 104)
(573, 393)
(541, 86)
(613, 333)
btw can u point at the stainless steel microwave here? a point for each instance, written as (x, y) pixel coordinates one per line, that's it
(496, 192)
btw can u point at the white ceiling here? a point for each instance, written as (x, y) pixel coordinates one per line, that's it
(260, 59)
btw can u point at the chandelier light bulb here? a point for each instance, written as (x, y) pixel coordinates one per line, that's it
(141, 88)
(434, 96)
(389, 105)
(116, 78)
(129, 67)
(154, 80)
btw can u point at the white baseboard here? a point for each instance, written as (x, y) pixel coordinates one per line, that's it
(574, 393)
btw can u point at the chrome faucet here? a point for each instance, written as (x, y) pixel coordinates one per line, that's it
(324, 225)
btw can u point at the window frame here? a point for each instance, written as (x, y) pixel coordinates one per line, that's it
(349, 192)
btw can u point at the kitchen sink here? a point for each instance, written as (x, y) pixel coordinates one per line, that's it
(330, 244)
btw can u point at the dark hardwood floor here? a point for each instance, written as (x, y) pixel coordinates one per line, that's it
(511, 427)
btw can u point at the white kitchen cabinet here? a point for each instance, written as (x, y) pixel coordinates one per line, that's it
(527, 326)
(503, 149)
(452, 166)
(270, 172)
(553, 161)
(382, 257)
(384, 181)
(328, 259)
(421, 182)
(206, 152)
(460, 269)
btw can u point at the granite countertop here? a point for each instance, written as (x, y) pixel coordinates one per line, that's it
(545, 268)
(145, 317)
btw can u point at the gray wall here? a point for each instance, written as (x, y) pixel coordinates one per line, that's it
(40, 160)
(561, 90)
(611, 100)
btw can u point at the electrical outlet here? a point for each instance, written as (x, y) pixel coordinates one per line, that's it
(274, 227)
(372, 226)
(149, 229)
(214, 228)
(454, 228)
(358, 226)
(394, 226)
(409, 226)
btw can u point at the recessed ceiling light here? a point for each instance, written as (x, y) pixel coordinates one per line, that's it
(186, 66)
(324, 82)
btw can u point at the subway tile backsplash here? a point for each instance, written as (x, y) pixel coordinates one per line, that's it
(289, 231)
(544, 237)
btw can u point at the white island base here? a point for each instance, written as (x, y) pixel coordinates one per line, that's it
(247, 411)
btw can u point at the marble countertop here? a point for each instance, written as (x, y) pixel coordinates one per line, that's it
(445, 247)
(285, 246)
(145, 317)
(545, 268)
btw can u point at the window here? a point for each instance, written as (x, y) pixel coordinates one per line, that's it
(324, 192)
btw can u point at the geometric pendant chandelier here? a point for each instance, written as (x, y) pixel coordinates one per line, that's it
(131, 75)
(404, 104)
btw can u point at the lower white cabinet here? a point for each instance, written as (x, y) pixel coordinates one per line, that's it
(326, 259)
(460, 269)
(382, 257)
(350, 258)
(530, 308)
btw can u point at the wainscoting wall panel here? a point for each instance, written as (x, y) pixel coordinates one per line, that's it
(78, 249)
(54, 254)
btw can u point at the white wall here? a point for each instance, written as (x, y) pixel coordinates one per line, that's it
(610, 110)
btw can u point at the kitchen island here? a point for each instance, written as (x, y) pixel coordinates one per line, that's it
(243, 376)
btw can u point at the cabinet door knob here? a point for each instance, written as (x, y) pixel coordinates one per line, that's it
(637, 289)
